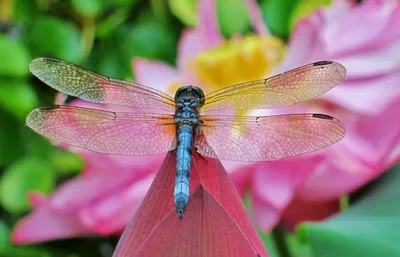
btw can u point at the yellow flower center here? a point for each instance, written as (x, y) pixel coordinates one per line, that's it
(237, 60)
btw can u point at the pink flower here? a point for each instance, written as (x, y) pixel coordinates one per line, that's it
(203, 55)
(366, 99)
(366, 102)
(101, 200)
(215, 222)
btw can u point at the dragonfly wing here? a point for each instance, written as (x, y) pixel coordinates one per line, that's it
(87, 85)
(266, 138)
(285, 89)
(120, 133)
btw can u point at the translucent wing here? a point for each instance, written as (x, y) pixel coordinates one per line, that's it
(87, 85)
(266, 138)
(285, 89)
(121, 133)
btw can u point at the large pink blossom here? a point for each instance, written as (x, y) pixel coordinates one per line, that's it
(366, 39)
(365, 102)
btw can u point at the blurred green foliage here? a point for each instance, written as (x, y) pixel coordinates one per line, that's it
(304, 8)
(369, 228)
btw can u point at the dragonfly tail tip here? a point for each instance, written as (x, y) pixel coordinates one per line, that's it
(180, 212)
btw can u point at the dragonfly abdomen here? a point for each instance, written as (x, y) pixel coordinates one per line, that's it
(183, 159)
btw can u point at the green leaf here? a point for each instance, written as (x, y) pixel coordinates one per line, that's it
(269, 243)
(66, 162)
(4, 236)
(14, 58)
(276, 14)
(17, 97)
(304, 8)
(185, 11)
(22, 177)
(120, 3)
(107, 27)
(151, 40)
(54, 37)
(88, 7)
(369, 228)
(11, 141)
(36, 145)
(29, 251)
(110, 66)
(233, 17)
(24, 11)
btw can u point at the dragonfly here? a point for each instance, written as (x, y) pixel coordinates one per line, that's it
(182, 122)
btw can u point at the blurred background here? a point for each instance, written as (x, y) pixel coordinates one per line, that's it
(61, 202)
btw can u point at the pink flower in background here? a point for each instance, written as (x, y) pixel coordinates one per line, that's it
(366, 102)
(206, 59)
(363, 102)
(101, 200)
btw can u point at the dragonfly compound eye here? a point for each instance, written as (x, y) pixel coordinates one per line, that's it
(192, 93)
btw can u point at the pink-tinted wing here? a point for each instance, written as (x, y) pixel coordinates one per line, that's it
(266, 138)
(121, 133)
(285, 89)
(87, 85)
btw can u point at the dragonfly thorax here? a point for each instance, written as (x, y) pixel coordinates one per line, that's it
(186, 113)
(189, 100)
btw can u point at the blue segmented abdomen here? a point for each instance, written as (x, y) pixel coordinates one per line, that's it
(183, 159)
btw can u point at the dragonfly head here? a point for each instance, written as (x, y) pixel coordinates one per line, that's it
(190, 92)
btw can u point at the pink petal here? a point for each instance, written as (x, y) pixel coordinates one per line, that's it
(274, 185)
(206, 230)
(256, 18)
(361, 156)
(241, 178)
(391, 32)
(45, 224)
(60, 98)
(300, 211)
(304, 44)
(154, 74)
(372, 63)
(207, 24)
(338, 39)
(190, 44)
(367, 96)
(92, 186)
(111, 213)
(212, 175)
(158, 203)
(37, 199)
